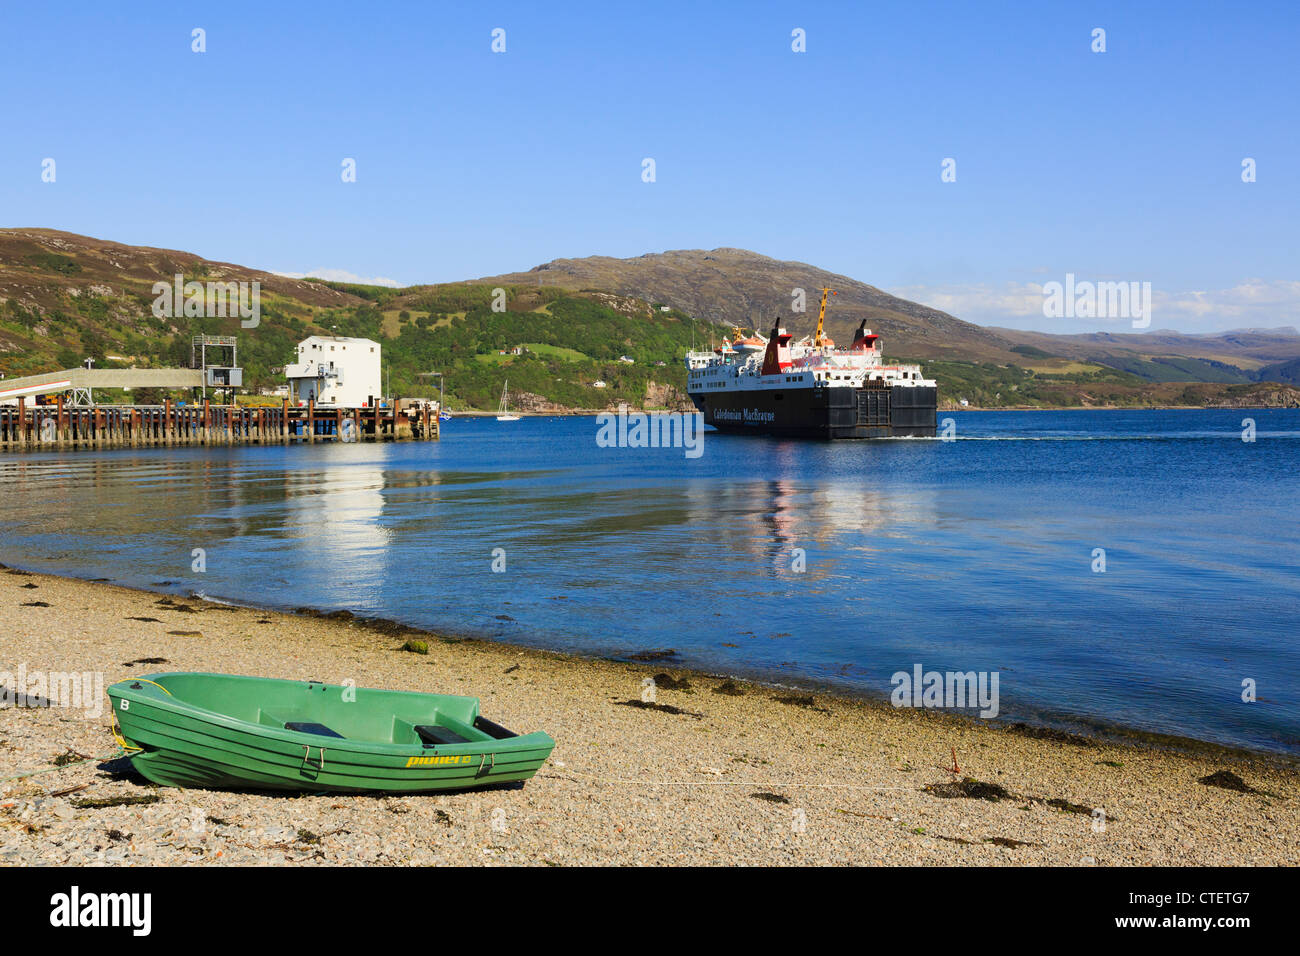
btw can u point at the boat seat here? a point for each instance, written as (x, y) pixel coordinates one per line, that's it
(432, 734)
(305, 727)
(493, 729)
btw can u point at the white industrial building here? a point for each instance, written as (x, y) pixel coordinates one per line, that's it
(335, 371)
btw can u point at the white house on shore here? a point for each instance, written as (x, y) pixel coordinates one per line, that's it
(335, 371)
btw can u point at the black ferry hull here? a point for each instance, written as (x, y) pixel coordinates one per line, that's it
(894, 412)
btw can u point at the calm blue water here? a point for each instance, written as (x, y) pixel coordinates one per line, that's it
(975, 554)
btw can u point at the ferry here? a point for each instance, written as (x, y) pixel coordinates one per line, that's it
(809, 388)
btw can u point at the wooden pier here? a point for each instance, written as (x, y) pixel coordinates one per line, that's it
(44, 427)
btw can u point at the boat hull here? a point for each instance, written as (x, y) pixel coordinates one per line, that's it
(175, 742)
(823, 413)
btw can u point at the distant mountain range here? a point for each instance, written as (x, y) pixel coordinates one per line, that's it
(735, 287)
(65, 296)
(741, 288)
(1241, 355)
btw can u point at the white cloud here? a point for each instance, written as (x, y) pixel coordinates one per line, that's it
(985, 304)
(1251, 303)
(341, 275)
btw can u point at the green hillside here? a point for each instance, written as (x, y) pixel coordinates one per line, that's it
(65, 298)
(571, 340)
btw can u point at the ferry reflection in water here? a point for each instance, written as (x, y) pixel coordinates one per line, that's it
(833, 523)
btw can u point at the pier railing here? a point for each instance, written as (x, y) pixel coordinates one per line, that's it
(105, 426)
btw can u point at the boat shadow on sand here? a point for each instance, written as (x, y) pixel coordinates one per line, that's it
(121, 770)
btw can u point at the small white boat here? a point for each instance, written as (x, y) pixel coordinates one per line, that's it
(503, 410)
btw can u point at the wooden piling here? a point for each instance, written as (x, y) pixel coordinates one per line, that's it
(203, 424)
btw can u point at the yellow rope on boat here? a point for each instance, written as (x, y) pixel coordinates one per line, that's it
(121, 741)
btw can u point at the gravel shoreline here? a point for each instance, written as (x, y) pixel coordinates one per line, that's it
(739, 774)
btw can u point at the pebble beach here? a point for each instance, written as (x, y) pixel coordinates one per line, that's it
(712, 771)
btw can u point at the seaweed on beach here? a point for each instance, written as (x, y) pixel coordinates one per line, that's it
(730, 688)
(146, 660)
(1227, 780)
(34, 604)
(1049, 733)
(662, 708)
(69, 756)
(147, 620)
(770, 797)
(652, 656)
(339, 615)
(970, 789)
(1007, 842)
(996, 841)
(1065, 806)
(130, 800)
(669, 682)
(186, 633)
(806, 701)
(169, 605)
(382, 625)
(30, 587)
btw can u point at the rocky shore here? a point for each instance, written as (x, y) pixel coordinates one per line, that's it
(711, 771)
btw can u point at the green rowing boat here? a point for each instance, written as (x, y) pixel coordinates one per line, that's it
(221, 731)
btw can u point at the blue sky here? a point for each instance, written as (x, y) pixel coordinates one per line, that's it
(1117, 165)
